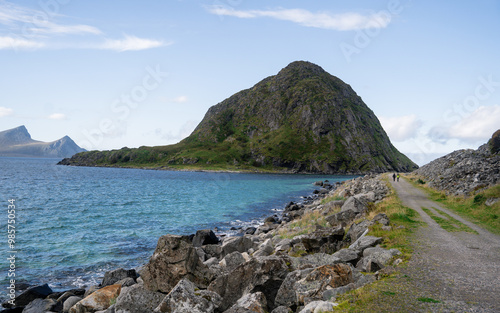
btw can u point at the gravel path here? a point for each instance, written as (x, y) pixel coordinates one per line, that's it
(460, 270)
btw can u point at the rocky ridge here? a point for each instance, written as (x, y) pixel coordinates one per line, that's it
(465, 171)
(273, 268)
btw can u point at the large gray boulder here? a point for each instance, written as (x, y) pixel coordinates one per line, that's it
(240, 244)
(252, 302)
(137, 299)
(232, 261)
(70, 302)
(40, 306)
(326, 241)
(175, 258)
(356, 230)
(264, 274)
(354, 204)
(318, 306)
(348, 256)
(376, 258)
(111, 277)
(343, 217)
(185, 297)
(29, 295)
(366, 242)
(287, 295)
(314, 260)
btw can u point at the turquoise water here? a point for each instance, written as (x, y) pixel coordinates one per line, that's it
(75, 223)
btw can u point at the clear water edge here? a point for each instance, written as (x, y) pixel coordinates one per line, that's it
(76, 223)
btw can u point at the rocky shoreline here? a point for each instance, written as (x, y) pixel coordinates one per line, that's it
(281, 266)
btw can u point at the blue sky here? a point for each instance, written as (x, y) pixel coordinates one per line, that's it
(111, 74)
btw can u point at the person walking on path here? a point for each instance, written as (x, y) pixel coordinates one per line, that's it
(398, 176)
(394, 177)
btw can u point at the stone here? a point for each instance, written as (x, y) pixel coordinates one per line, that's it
(283, 245)
(70, 302)
(264, 249)
(99, 300)
(39, 306)
(185, 297)
(282, 309)
(355, 205)
(381, 218)
(212, 251)
(348, 256)
(91, 290)
(250, 230)
(356, 230)
(287, 295)
(345, 217)
(376, 257)
(205, 237)
(366, 242)
(321, 279)
(253, 302)
(137, 299)
(174, 258)
(270, 219)
(264, 274)
(318, 307)
(314, 260)
(240, 244)
(326, 241)
(126, 282)
(29, 295)
(369, 265)
(111, 277)
(231, 261)
(386, 228)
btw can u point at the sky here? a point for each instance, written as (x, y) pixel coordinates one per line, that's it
(113, 74)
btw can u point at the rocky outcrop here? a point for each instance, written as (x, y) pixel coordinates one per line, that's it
(17, 142)
(301, 120)
(464, 171)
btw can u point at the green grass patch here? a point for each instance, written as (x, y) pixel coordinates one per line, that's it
(473, 207)
(448, 223)
(428, 300)
(304, 225)
(331, 199)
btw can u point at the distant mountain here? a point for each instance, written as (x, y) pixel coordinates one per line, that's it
(17, 142)
(302, 120)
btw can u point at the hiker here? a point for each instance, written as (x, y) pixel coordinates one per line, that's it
(398, 176)
(394, 177)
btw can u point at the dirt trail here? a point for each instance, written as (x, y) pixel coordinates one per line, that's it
(460, 270)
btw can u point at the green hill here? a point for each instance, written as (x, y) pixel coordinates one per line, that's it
(301, 120)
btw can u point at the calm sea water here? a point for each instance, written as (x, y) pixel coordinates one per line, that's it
(75, 223)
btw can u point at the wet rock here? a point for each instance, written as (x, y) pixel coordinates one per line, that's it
(185, 297)
(205, 237)
(111, 277)
(174, 258)
(99, 300)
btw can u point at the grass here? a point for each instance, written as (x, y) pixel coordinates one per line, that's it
(331, 199)
(386, 290)
(304, 225)
(428, 300)
(473, 207)
(448, 223)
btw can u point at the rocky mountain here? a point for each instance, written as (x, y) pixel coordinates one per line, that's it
(17, 142)
(464, 171)
(301, 120)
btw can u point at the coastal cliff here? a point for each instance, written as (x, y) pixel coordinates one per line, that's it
(302, 120)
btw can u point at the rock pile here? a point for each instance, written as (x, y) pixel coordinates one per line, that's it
(260, 272)
(464, 171)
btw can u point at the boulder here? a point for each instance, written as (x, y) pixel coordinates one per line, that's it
(264, 274)
(264, 249)
(356, 230)
(366, 197)
(376, 258)
(212, 251)
(205, 237)
(282, 309)
(369, 265)
(381, 218)
(283, 245)
(40, 306)
(174, 258)
(348, 256)
(111, 277)
(29, 295)
(126, 282)
(326, 241)
(366, 242)
(318, 307)
(343, 217)
(253, 302)
(287, 295)
(232, 261)
(250, 230)
(137, 299)
(357, 206)
(240, 244)
(70, 302)
(270, 219)
(90, 290)
(185, 297)
(314, 260)
(99, 300)
(321, 279)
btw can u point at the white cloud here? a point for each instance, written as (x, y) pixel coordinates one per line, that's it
(132, 43)
(18, 43)
(480, 125)
(324, 20)
(180, 99)
(57, 116)
(402, 127)
(5, 111)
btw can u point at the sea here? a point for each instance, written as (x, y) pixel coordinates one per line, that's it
(66, 226)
